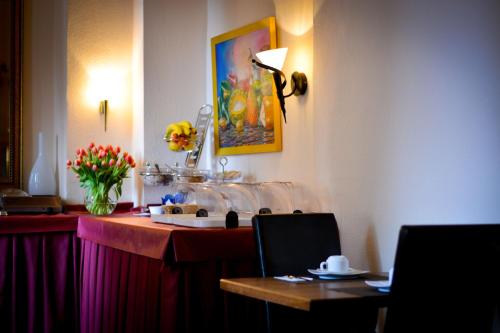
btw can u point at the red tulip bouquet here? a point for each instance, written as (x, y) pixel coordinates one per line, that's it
(101, 171)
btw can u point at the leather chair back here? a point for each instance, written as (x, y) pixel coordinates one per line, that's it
(292, 243)
(446, 279)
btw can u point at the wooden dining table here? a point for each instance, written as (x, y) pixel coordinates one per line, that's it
(315, 296)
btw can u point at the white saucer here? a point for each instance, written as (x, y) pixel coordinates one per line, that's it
(349, 272)
(379, 283)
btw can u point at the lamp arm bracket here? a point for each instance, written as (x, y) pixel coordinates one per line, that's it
(283, 83)
(291, 93)
(258, 63)
(298, 80)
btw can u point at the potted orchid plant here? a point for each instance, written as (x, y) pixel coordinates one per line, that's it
(101, 171)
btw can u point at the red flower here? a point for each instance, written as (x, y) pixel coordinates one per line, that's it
(129, 159)
(94, 167)
(94, 150)
(118, 149)
(91, 145)
(112, 162)
(68, 164)
(88, 164)
(78, 162)
(104, 164)
(102, 153)
(78, 151)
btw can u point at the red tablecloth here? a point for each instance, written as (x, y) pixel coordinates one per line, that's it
(140, 235)
(121, 207)
(39, 272)
(22, 224)
(140, 276)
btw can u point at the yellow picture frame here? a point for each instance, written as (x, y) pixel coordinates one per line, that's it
(247, 117)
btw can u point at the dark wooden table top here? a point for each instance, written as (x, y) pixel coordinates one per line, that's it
(309, 295)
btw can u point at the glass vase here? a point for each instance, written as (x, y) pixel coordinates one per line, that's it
(101, 202)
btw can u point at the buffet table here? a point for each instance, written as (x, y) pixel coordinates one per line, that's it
(140, 276)
(121, 273)
(39, 272)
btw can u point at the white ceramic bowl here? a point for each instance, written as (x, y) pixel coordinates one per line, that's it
(156, 210)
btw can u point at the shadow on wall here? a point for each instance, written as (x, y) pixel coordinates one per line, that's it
(372, 248)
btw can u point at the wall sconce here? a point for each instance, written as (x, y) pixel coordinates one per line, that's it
(273, 61)
(103, 109)
(106, 83)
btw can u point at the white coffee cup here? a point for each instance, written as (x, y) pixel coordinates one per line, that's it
(339, 264)
(156, 210)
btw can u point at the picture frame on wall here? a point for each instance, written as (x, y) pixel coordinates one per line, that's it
(247, 116)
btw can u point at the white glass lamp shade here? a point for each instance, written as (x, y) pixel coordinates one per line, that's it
(42, 178)
(274, 57)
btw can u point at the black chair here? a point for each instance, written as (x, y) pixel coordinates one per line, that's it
(446, 279)
(290, 244)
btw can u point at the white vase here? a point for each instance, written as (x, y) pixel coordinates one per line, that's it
(42, 177)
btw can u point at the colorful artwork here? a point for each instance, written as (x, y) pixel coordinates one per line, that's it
(247, 117)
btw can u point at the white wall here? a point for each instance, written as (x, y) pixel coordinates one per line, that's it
(174, 74)
(44, 84)
(401, 122)
(100, 36)
(138, 97)
(409, 94)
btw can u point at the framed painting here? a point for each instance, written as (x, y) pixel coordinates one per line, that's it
(247, 116)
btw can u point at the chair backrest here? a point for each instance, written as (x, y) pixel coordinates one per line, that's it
(446, 279)
(292, 243)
